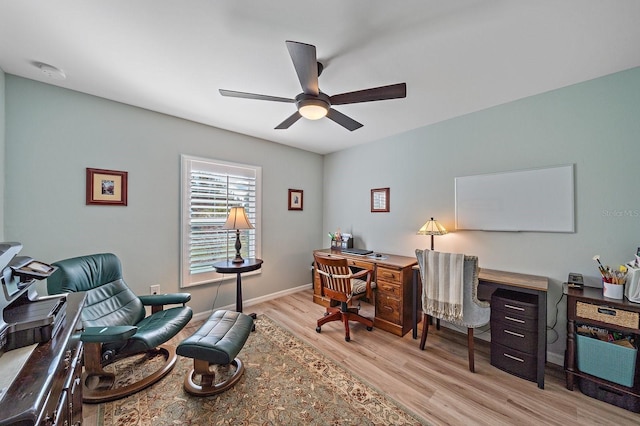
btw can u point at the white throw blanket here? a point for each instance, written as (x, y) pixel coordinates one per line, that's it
(442, 276)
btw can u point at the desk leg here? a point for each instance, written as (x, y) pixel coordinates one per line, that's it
(542, 337)
(414, 311)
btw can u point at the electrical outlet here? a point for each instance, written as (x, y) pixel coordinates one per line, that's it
(154, 289)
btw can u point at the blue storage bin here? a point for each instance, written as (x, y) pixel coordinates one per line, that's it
(606, 360)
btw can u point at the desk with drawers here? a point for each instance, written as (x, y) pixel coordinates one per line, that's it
(528, 297)
(393, 300)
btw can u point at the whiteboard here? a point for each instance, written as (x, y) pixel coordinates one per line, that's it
(539, 200)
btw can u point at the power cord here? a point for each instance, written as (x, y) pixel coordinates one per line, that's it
(217, 291)
(555, 322)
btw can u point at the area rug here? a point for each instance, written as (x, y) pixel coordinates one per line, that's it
(286, 382)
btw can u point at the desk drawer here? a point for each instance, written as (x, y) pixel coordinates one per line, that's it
(514, 337)
(360, 264)
(509, 319)
(387, 274)
(389, 289)
(513, 361)
(520, 305)
(388, 308)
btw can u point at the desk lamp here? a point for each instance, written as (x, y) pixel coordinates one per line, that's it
(237, 220)
(432, 227)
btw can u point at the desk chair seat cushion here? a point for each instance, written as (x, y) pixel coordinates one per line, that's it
(359, 286)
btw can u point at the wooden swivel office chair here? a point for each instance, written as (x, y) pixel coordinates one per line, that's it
(115, 323)
(340, 284)
(441, 300)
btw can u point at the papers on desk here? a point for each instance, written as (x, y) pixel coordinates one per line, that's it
(11, 364)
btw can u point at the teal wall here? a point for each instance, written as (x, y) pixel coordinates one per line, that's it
(54, 134)
(593, 125)
(51, 135)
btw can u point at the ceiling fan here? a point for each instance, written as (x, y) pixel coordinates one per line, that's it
(312, 103)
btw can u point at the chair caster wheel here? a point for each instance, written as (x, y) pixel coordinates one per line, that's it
(317, 329)
(369, 328)
(346, 339)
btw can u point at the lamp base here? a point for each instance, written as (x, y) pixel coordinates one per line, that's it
(238, 258)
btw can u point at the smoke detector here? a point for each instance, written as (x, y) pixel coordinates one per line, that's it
(51, 71)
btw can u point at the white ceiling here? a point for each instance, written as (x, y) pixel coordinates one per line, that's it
(456, 56)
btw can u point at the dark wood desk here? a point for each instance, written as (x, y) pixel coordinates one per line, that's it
(48, 388)
(228, 267)
(489, 281)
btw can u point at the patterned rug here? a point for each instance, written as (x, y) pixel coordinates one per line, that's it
(286, 382)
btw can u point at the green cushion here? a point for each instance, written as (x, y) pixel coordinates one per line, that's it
(84, 273)
(219, 339)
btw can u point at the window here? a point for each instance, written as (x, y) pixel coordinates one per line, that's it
(209, 189)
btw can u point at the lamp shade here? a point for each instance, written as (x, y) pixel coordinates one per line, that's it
(432, 227)
(237, 219)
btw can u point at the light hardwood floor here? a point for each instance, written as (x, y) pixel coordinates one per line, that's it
(436, 383)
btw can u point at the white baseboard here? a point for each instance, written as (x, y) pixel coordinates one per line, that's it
(206, 314)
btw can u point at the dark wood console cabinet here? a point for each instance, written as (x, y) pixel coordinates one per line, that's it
(393, 277)
(48, 389)
(590, 300)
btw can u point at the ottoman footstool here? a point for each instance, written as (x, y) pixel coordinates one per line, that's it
(217, 342)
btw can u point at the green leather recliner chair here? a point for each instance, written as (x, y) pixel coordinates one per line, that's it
(115, 322)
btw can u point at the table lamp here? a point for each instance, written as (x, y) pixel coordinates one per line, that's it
(432, 227)
(237, 220)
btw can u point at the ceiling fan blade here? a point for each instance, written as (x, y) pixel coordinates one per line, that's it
(234, 94)
(393, 91)
(306, 64)
(289, 121)
(346, 122)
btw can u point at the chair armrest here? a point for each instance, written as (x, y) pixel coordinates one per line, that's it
(361, 274)
(114, 333)
(164, 299)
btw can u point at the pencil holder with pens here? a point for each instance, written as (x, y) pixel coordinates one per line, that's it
(612, 291)
(612, 280)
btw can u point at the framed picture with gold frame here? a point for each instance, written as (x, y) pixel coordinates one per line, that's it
(106, 187)
(380, 200)
(295, 199)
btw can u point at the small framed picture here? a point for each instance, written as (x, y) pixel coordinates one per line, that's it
(295, 199)
(379, 200)
(106, 187)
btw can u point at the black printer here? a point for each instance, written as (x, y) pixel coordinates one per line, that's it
(25, 318)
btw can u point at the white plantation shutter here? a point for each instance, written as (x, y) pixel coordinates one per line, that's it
(210, 189)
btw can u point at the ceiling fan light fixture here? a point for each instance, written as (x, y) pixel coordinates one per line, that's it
(313, 112)
(313, 109)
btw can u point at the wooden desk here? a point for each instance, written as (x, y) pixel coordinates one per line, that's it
(392, 275)
(489, 281)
